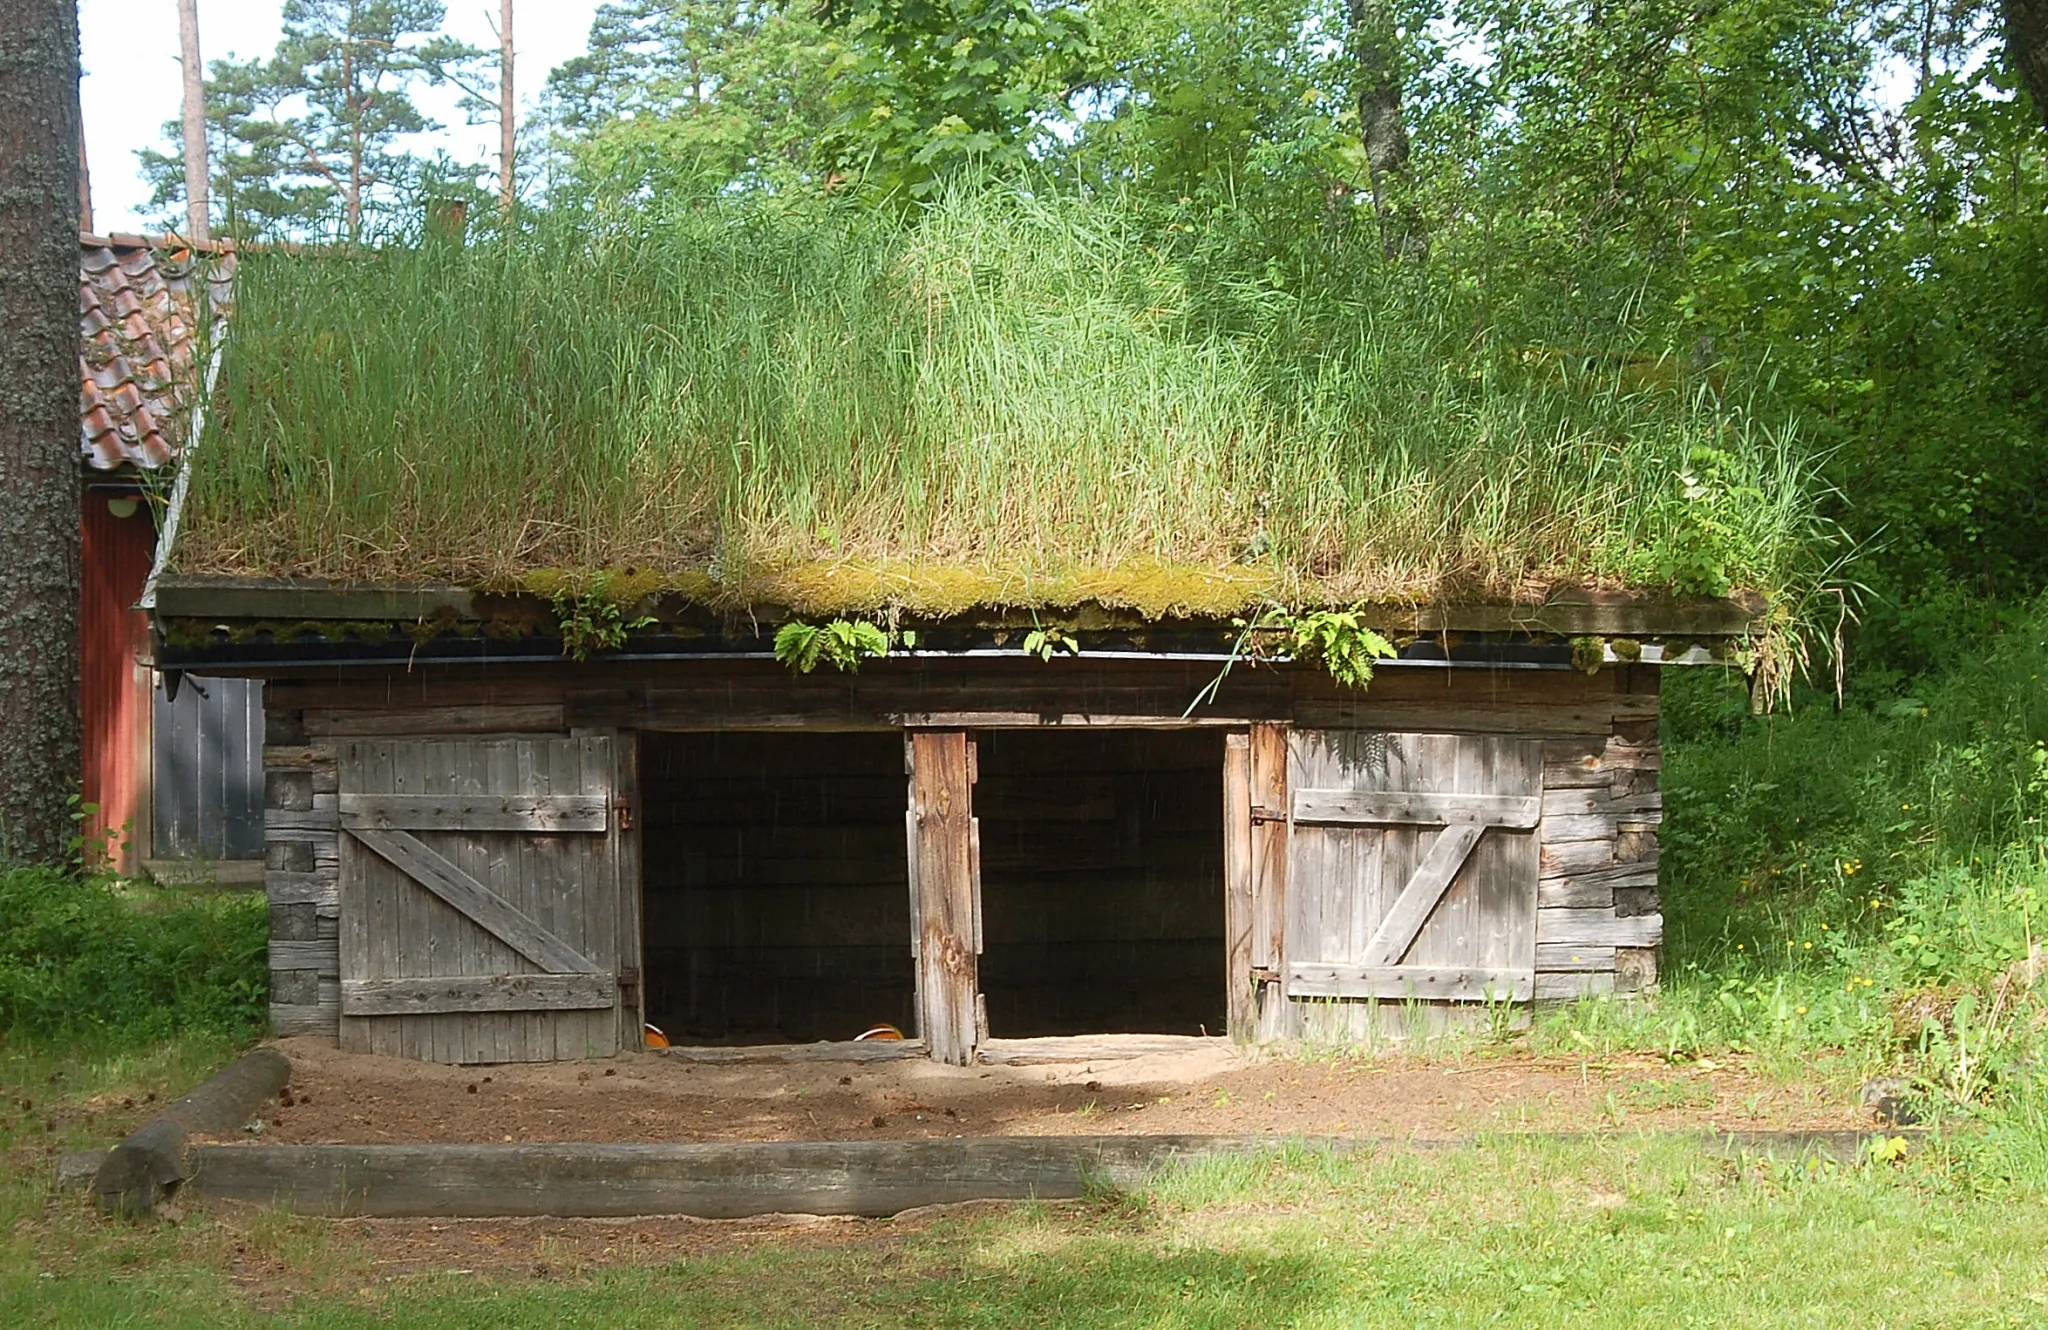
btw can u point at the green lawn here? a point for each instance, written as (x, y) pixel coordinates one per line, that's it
(1617, 1231)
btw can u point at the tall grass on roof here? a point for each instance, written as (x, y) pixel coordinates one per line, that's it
(1007, 398)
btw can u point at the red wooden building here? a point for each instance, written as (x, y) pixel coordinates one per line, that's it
(170, 777)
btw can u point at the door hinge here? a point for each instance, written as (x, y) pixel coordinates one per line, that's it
(624, 811)
(1261, 814)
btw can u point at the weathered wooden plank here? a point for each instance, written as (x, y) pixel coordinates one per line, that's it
(320, 954)
(187, 595)
(1561, 956)
(1238, 920)
(1598, 800)
(1267, 755)
(297, 757)
(626, 794)
(1595, 927)
(1432, 877)
(1570, 858)
(713, 1181)
(1031, 720)
(321, 887)
(486, 909)
(1595, 888)
(824, 1050)
(1583, 827)
(537, 813)
(539, 718)
(1532, 719)
(1066, 1049)
(274, 835)
(300, 819)
(1396, 983)
(1426, 808)
(1565, 986)
(290, 1018)
(493, 992)
(948, 966)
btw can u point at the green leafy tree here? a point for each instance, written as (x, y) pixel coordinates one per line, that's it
(309, 141)
(924, 87)
(694, 96)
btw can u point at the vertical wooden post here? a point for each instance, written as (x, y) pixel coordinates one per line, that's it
(1271, 813)
(626, 820)
(1237, 886)
(948, 965)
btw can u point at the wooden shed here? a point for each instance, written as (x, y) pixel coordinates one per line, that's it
(481, 851)
(170, 781)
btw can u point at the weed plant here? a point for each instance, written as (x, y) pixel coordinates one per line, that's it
(1003, 397)
(96, 960)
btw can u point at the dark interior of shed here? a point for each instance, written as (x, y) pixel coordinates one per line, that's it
(1102, 881)
(776, 904)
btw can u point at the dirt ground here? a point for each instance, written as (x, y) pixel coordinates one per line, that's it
(345, 1098)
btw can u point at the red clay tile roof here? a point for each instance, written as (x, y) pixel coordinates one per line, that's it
(138, 343)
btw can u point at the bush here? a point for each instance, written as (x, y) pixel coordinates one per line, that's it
(1868, 880)
(81, 957)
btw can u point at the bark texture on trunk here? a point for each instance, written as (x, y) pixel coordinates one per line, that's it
(2026, 46)
(39, 451)
(1376, 60)
(194, 119)
(508, 108)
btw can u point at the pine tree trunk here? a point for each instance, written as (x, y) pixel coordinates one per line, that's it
(2026, 46)
(508, 110)
(39, 451)
(1376, 64)
(194, 119)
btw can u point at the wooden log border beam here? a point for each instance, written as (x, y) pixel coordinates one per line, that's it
(737, 1180)
(150, 1165)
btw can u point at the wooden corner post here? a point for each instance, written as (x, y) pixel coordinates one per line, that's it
(1242, 1007)
(1269, 816)
(947, 892)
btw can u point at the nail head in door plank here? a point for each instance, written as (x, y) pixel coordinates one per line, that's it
(1398, 983)
(483, 907)
(540, 814)
(484, 992)
(1431, 880)
(1515, 811)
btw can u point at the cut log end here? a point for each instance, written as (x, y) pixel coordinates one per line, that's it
(145, 1169)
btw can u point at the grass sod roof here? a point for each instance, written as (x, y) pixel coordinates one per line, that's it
(1003, 401)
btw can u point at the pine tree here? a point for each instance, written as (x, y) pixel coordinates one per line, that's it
(39, 456)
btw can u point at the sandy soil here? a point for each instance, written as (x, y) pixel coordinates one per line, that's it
(344, 1098)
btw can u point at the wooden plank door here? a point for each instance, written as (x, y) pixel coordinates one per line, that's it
(483, 911)
(945, 884)
(1412, 865)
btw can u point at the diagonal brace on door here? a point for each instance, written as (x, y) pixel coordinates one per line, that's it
(1431, 879)
(476, 902)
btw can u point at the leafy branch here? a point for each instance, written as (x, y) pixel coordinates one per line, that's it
(1338, 640)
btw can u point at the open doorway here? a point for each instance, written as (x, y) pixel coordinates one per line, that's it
(776, 906)
(1102, 882)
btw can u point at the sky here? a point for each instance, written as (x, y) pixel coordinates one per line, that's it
(131, 86)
